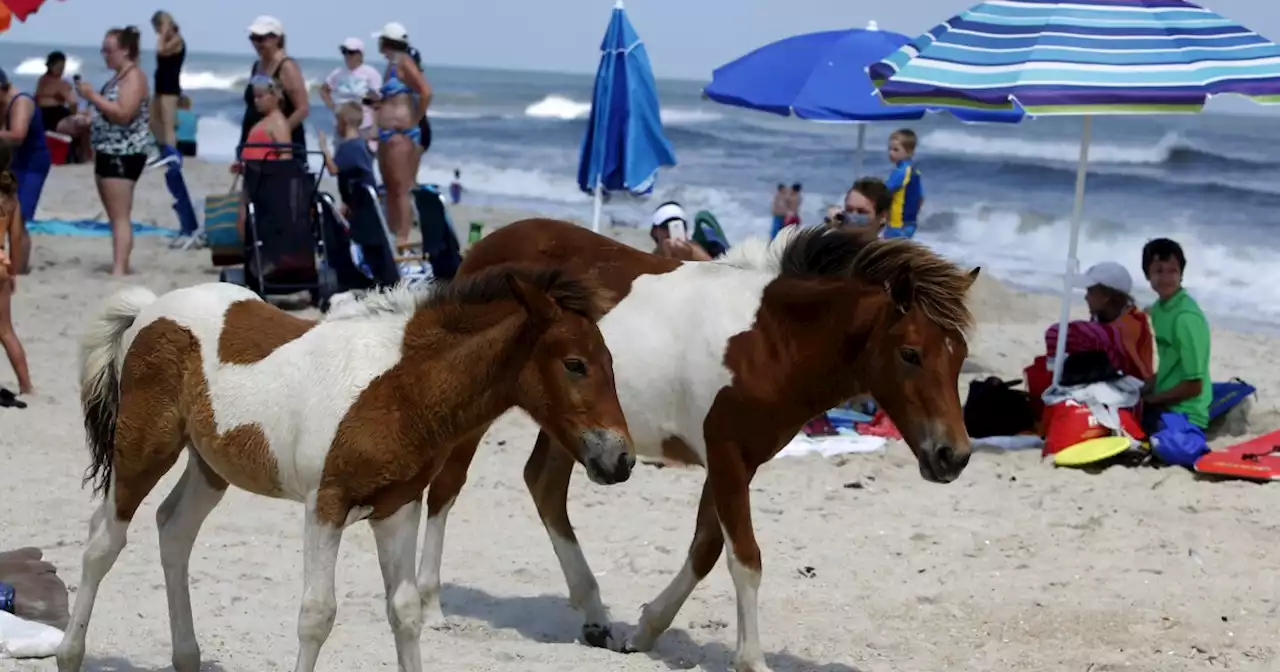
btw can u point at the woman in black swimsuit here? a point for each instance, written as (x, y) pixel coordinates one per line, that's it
(171, 51)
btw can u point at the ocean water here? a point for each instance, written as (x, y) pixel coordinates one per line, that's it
(997, 196)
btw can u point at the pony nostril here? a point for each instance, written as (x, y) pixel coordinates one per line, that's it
(945, 458)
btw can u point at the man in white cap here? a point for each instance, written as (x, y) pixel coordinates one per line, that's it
(1109, 293)
(352, 82)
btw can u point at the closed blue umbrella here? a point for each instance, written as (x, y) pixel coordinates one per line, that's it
(1082, 57)
(624, 145)
(822, 77)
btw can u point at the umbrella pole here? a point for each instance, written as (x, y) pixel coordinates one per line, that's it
(595, 219)
(862, 146)
(1073, 265)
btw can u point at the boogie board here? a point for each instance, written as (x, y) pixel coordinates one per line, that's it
(1092, 451)
(1256, 459)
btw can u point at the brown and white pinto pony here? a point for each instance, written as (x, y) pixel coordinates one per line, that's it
(352, 416)
(719, 364)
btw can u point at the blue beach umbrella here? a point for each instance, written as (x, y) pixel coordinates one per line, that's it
(624, 145)
(1084, 57)
(822, 77)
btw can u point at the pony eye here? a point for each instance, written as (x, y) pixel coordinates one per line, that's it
(910, 356)
(575, 366)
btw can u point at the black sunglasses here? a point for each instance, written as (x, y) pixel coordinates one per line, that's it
(348, 52)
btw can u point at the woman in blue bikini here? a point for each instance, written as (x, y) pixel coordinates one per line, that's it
(403, 134)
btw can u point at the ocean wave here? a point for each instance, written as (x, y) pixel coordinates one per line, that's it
(1171, 148)
(556, 106)
(34, 66)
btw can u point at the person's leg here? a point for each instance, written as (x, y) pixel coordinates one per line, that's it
(167, 105)
(116, 190)
(30, 185)
(397, 156)
(9, 339)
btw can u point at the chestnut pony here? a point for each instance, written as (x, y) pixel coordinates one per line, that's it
(720, 364)
(351, 416)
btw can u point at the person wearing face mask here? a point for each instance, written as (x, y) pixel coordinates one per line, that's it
(866, 206)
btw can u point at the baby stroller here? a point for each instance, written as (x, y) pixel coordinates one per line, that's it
(284, 247)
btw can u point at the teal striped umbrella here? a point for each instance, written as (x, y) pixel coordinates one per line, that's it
(1083, 57)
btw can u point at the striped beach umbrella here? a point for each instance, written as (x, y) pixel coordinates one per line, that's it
(1086, 57)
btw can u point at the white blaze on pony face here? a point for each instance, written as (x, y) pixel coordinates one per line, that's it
(299, 394)
(667, 372)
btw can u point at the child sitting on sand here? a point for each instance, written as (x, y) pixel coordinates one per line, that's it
(11, 260)
(187, 121)
(905, 185)
(351, 161)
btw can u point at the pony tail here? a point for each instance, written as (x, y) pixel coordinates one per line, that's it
(101, 357)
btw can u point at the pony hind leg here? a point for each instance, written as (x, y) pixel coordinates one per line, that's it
(146, 445)
(321, 537)
(547, 475)
(396, 539)
(704, 551)
(441, 495)
(178, 520)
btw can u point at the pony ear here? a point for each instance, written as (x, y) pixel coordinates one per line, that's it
(541, 308)
(973, 277)
(902, 290)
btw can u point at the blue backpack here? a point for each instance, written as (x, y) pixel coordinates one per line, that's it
(1178, 442)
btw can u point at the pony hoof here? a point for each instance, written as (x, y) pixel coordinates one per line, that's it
(596, 635)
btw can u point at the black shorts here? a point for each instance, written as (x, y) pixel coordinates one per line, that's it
(187, 147)
(119, 166)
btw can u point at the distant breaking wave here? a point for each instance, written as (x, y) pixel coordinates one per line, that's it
(556, 106)
(1172, 148)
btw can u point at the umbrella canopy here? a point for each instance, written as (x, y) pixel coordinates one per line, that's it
(17, 8)
(624, 145)
(1082, 57)
(821, 77)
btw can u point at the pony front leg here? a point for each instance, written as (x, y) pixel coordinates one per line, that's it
(547, 475)
(396, 539)
(730, 480)
(704, 551)
(321, 536)
(441, 495)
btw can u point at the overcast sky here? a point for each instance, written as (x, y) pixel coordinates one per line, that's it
(685, 38)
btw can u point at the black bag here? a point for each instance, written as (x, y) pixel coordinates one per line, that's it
(994, 408)
(1088, 367)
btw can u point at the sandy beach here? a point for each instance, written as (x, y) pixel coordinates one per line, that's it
(1018, 566)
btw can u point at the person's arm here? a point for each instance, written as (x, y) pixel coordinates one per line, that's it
(897, 179)
(1191, 335)
(329, 165)
(19, 120)
(295, 87)
(326, 89)
(122, 110)
(170, 43)
(417, 81)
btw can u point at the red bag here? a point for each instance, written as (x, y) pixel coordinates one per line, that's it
(1038, 378)
(1069, 422)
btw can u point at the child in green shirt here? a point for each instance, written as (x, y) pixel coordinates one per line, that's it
(1182, 382)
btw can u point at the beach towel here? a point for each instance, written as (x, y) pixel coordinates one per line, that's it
(827, 446)
(89, 228)
(1085, 336)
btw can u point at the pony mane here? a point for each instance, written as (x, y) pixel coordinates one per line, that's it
(759, 254)
(403, 300)
(938, 286)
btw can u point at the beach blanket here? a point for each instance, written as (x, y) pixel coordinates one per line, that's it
(88, 228)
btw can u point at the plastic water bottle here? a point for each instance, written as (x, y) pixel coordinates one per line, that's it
(476, 233)
(7, 597)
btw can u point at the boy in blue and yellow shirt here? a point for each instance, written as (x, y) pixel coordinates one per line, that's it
(905, 184)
